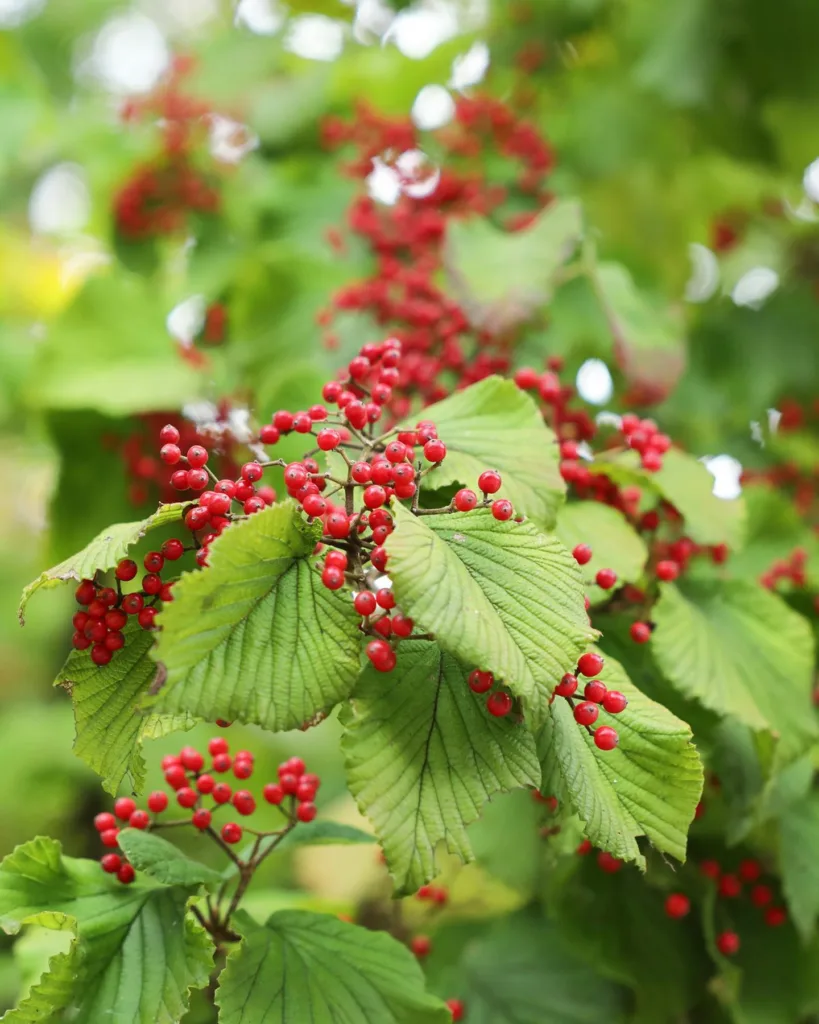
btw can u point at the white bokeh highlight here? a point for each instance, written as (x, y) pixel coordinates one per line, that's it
(704, 278)
(129, 55)
(60, 202)
(594, 382)
(418, 175)
(433, 108)
(810, 181)
(383, 183)
(262, 17)
(186, 320)
(726, 471)
(470, 68)
(16, 12)
(229, 141)
(315, 37)
(419, 30)
(755, 287)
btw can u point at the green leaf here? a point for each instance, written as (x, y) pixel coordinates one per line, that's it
(614, 543)
(648, 337)
(741, 651)
(423, 755)
(798, 843)
(106, 699)
(522, 972)
(649, 785)
(685, 483)
(502, 278)
(53, 993)
(502, 597)
(163, 861)
(110, 351)
(140, 952)
(618, 923)
(303, 966)
(256, 637)
(103, 552)
(495, 425)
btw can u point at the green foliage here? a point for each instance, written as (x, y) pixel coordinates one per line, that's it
(494, 424)
(103, 552)
(649, 785)
(135, 946)
(502, 597)
(257, 638)
(740, 651)
(502, 279)
(107, 699)
(616, 545)
(301, 965)
(424, 755)
(163, 861)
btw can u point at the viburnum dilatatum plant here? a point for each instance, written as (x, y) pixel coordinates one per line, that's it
(560, 682)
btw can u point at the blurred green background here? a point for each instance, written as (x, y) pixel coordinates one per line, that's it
(688, 129)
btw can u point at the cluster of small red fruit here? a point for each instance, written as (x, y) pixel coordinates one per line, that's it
(597, 695)
(192, 783)
(107, 610)
(730, 886)
(160, 194)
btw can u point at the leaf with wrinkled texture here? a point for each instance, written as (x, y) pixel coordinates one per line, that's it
(423, 755)
(103, 552)
(302, 966)
(162, 860)
(649, 785)
(256, 637)
(502, 597)
(741, 651)
(495, 425)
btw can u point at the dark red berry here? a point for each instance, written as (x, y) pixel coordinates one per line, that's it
(421, 946)
(111, 862)
(201, 818)
(126, 874)
(480, 682)
(730, 887)
(381, 655)
(567, 685)
(173, 549)
(243, 801)
(775, 917)
(126, 570)
(640, 632)
(222, 762)
(728, 943)
(749, 870)
(677, 905)
(242, 768)
(221, 793)
(590, 664)
(761, 895)
(231, 832)
(100, 654)
(306, 812)
(499, 704)
(605, 861)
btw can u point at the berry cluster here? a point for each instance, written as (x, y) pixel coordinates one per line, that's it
(731, 885)
(787, 570)
(160, 195)
(596, 695)
(107, 610)
(198, 790)
(406, 239)
(499, 703)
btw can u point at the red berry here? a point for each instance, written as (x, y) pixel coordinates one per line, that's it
(465, 500)
(586, 713)
(490, 481)
(385, 598)
(179, 480)
(605, 861)
(231, 832)
(169, 434)
(176, 776)
(172, 549)
(499, 704)
(221, 793)
(186, 797)
(761, 895)
(606, 738)
(677, 905)
(332, 578)
(402, 625)
(133, 604)
(197, 456)
(111, 862)
(606, 578)
(294, 766)
(289, 781)
(775, 917)
(201, 818)
(730, 887)
(595, 691)
(124, 808)
(381, 655)
(567, 685)
(374, 496)
(126, 570)
(502, 510)
(434, 450)
(242, 768)
(480, 682)
(197, 479)
(640, 632)
(218, 745)
(252, 472)
(273, 793)
(126, 874)
(590, 664)
(283, 420)
(139, 819)
(749, 870)
(614, 702)
(455, 1006)
(269, 434)
(306, 812)
(222, 762)
(667, 571)
(582, 554)
(728, 943)
(157, 801)
(652, 461)
(365, 602)
(205, 783)
(710, 868)
(191, 759)
(100, 654)
(361, 472)
(110, 837)
(115, 619)
(170, 454)
(306, 791)
(243, 801)
(421, 946)
(105, 821)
